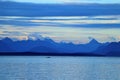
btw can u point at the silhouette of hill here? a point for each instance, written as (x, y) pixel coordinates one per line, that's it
(111, 49)
(48, 46)
(93, 45)
(4, 45)
(43, 49)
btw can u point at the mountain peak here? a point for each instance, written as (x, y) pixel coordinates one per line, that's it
(93, 41)
(7, 39)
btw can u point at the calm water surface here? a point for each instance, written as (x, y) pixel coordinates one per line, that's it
(59, 68)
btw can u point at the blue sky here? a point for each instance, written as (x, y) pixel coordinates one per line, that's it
(67, 1)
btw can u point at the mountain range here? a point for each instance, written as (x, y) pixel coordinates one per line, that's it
(48, 46)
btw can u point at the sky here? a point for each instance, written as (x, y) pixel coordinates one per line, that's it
(68, 1)
(22, 22)
(76, 29)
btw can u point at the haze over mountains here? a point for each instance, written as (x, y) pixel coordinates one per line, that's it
(49, 46)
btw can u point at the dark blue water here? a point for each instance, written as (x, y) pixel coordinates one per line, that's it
(59, 68)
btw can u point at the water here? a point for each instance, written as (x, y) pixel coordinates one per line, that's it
(59, 68)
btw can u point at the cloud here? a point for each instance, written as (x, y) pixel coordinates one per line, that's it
(71, 29)
(66, 1)
(26, 9)
(18, 23)
(80, 21)
(90, 38)
(112, 39)
(9, 33)
(69, 34)
(13, 34)
(89, 1)
(70, 1)
(35, 36)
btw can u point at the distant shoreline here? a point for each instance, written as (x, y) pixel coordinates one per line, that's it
(51, 54)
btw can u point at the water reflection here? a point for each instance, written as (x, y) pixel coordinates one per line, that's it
(59, 68)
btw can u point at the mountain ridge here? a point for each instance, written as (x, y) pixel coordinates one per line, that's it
(49, 46)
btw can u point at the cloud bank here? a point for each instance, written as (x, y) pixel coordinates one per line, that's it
(76, 29)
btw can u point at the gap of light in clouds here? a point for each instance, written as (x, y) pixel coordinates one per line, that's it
(62, 28)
